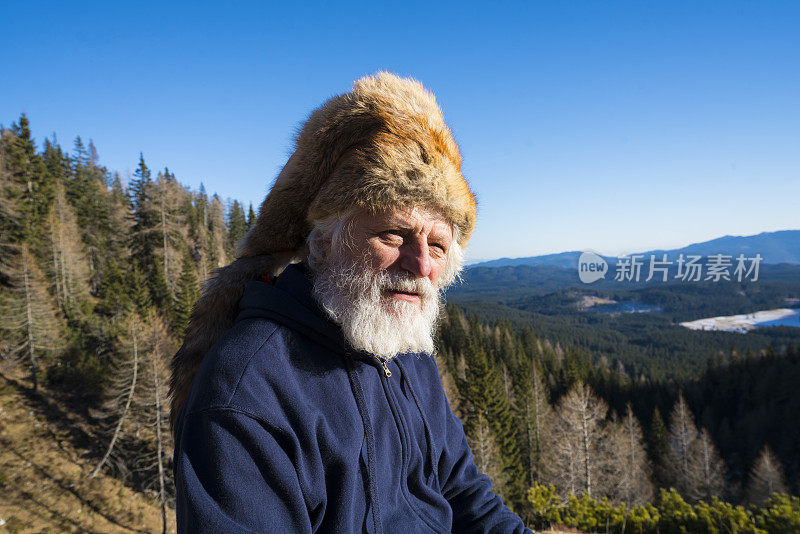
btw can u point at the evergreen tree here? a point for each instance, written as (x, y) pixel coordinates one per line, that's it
(159, 289)
(10, 217)
(237, 225)
(31, 187)
(139, 292)
(187, 294)
(487, 401)
(145, 237)
(251, 217)
(658, 448)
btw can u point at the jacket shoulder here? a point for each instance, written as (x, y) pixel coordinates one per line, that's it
(227, 362)
(257, 367)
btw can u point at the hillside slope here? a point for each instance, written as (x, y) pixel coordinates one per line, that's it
(47, 452)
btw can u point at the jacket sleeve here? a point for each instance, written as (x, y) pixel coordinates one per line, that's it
(232, 475)
(476, 508)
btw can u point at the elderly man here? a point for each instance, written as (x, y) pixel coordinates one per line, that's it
(305, 397)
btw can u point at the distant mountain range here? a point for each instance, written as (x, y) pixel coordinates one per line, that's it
(774, 247)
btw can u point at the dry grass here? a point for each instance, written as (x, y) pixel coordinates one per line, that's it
(47, 452)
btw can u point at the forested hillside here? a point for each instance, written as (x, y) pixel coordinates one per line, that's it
(538, 413)
(636, 325)
(98, 273)
(97, 279)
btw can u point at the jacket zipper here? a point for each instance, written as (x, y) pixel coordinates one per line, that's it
(405, 446)
(386, 370)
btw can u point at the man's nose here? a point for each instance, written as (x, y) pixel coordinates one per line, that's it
(415, 258)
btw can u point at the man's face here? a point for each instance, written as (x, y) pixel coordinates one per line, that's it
(412, 241)
(381, 282)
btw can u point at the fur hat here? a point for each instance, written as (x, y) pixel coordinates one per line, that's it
(383, 145)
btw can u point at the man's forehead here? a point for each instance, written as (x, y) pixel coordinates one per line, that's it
(411, 217)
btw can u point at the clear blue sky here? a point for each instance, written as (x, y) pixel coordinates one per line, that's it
(616, 126)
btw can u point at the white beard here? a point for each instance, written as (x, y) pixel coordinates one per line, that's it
(354, 296)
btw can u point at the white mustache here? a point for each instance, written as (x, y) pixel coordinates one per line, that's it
(406, 282)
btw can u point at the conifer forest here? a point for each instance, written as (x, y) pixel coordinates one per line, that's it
(98, 275)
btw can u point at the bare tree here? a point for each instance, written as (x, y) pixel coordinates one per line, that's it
(30, 322)
(486, 453)
(508, 385)
(628, 478)
(154, 421)
(578, 438)
(140, 443)
(706, 470)
(682, 434)
(766, 477)
(449, 385)
(217, 233)
(123, 383)
(170, 196)
(70, 268)
(537, 420)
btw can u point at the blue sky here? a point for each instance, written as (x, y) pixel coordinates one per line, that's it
(616, 126)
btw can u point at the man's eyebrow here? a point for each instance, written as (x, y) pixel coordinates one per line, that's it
(395, 223)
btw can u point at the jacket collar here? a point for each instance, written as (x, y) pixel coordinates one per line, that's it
(289, 301)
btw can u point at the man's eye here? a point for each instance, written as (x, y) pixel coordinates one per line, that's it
(391, 235)
(437, 245)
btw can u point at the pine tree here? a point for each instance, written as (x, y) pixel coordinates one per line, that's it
(10, 191)
(251, 217)
(96, 211)
(139, 291)
(187, 294)
(145, 235)
(487, 401)
(159, 288)
(237, 225)
(31, 187)
(658, 448)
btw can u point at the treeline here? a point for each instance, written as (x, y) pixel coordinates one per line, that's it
(652, 344)
(538, 413)
(97, 280)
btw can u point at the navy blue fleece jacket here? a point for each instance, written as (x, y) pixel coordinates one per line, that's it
(286, 430)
